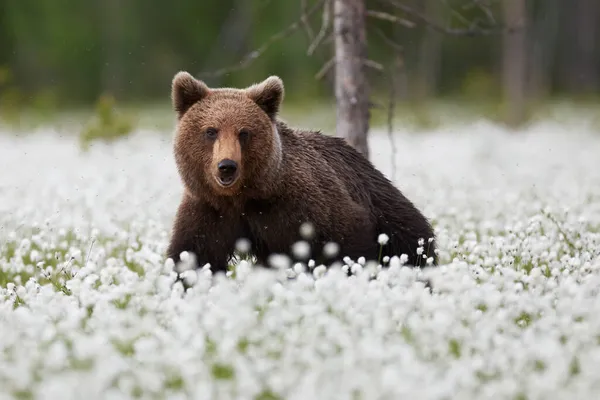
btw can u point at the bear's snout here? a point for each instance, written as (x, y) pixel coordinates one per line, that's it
(227, 171)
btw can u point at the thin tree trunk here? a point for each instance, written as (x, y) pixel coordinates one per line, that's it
(515, 60)
(402, 87)
(351, 87)
(584, 79)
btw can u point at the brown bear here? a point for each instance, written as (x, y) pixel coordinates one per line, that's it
(247, 174)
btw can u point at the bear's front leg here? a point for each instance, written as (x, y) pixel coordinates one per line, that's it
(199, 229)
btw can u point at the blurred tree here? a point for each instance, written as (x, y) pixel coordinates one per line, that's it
(349, 29)
(543, 34)
(581, 63)
(79, 50)
(351, 87)
(515, 61)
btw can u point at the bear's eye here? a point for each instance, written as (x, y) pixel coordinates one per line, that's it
(244, 134)
(211, 133)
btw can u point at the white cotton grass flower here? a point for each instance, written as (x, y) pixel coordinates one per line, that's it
(403, 259)
(383, 239)
(243, 269)
(189, 276)
(280, 261)
(299, 268)
(331, 249)
(319, 271)
(301, 250)
(243, 245)
(90, 306)
(356, 268)
(187, 262)
(307, 230)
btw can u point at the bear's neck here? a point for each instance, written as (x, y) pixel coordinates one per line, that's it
(275, 161)
(267, 182)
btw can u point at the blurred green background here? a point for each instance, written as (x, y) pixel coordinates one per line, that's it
(68, 55)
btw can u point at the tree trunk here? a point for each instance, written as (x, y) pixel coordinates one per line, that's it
(351, 88)
(543, 42)
(515, 60)
(584, 67)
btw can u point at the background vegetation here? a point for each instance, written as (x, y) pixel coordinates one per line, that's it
(67, 54)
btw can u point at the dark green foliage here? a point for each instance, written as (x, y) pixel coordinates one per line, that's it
(69, 52)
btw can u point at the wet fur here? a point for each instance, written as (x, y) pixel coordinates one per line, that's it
(288, 177)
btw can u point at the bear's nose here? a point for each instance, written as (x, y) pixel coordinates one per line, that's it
(227, 167)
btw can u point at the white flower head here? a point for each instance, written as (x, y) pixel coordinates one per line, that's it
(383, 239)
(301, 250)
(331, 249)
(307, 230)
(189, 276)
(280, 261)
(403, 259)
(319, 271)
(243, 245)
(187, 261)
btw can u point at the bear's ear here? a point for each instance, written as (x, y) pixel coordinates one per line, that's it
(268, 94)
(186, 91)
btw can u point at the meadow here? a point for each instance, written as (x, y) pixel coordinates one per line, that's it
(89, 308)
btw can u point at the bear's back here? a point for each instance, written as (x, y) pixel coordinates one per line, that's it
(364, 182)
(392, 212)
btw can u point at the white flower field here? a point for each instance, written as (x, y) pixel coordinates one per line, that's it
(88, 309)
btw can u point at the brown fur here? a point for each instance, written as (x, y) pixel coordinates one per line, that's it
(285, 177)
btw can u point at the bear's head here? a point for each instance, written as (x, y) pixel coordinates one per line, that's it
(226, 141)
